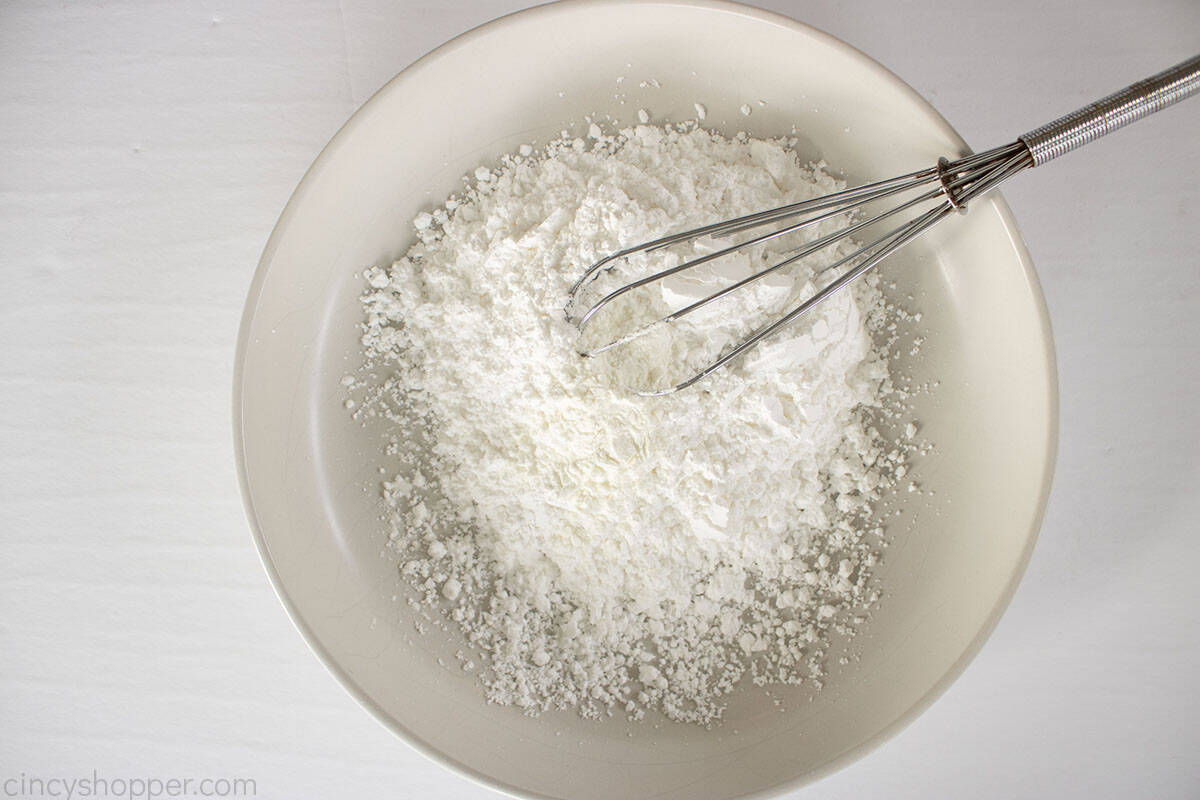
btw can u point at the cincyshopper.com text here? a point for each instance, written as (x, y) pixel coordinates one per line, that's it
(100, 786)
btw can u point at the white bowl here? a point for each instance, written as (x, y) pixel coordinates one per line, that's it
(309, 472)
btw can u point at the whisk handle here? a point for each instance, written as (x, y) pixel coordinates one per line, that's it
(1115, 111)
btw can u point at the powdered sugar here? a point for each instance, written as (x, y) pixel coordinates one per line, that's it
(597, 549)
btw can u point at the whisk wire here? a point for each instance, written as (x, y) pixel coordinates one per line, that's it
(803, 252)
(863, 193)
(892, 241)
(806, 250)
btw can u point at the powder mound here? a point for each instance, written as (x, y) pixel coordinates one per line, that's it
(604, 551)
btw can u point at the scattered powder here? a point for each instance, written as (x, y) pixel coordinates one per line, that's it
(598, 550)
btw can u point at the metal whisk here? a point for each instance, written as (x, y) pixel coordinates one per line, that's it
(948, 185)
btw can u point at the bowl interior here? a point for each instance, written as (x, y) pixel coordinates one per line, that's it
(310, 473)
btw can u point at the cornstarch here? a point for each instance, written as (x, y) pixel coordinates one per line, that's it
(598, 550)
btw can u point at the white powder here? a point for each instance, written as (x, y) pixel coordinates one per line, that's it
(597, 549)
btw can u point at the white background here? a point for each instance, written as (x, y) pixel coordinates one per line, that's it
(146, 149)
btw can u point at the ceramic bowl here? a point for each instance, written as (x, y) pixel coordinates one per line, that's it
(309, 472)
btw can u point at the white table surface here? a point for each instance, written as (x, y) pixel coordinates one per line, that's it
(146, 149)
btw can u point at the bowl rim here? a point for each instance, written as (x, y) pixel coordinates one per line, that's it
(410, 73)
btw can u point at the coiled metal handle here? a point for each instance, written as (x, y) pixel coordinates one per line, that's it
(1115, 111)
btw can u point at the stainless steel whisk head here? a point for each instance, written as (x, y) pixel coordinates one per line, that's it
(942, 190)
